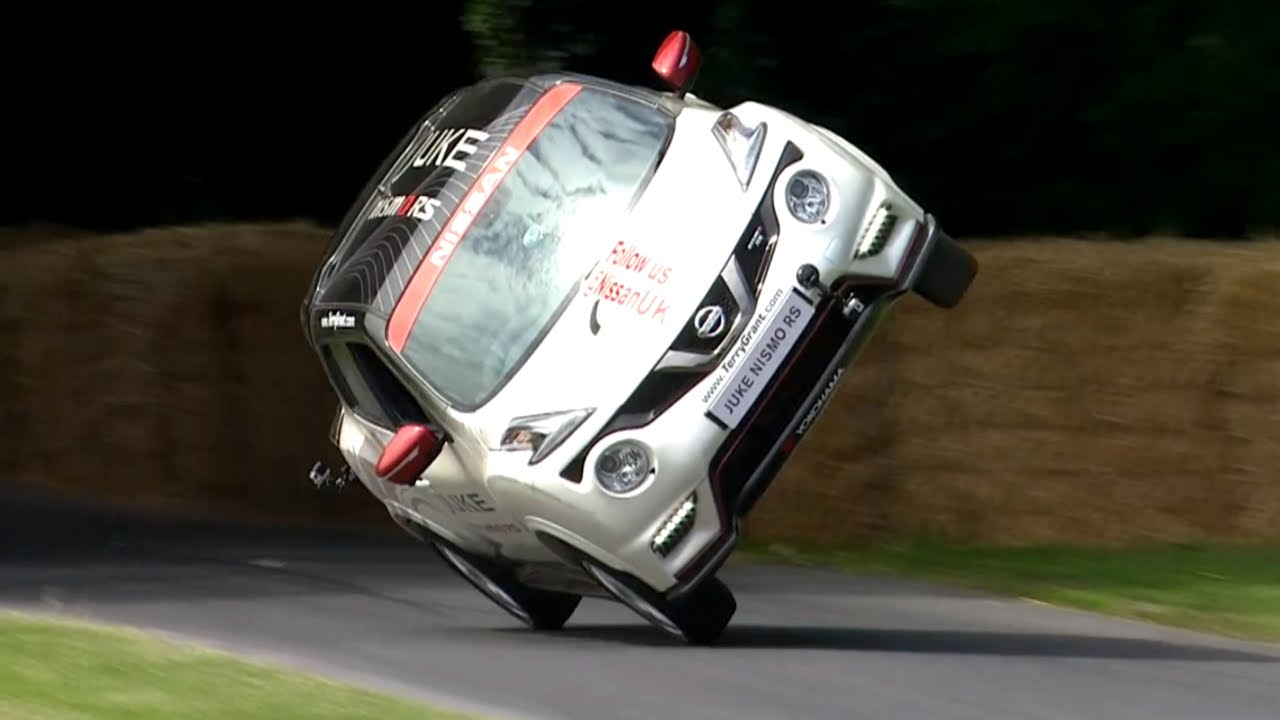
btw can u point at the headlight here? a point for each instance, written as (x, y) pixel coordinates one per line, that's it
(542, 433)
(741, 144)
(808, 196)
(623, 467)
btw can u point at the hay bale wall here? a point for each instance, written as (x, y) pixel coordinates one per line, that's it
(1085, 391)
(166, 370)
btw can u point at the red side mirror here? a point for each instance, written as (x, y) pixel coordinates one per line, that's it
(677, 62)
(409, 454)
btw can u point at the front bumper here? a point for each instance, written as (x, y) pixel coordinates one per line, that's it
(725, 472)
(752, 455)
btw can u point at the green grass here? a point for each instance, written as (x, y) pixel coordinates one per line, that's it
(1231, 590)
(64, 670)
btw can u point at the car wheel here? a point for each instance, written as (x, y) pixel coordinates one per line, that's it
(947, 273)
(538, 609)
(698, 618)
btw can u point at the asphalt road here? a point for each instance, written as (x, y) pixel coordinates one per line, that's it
(805, 644)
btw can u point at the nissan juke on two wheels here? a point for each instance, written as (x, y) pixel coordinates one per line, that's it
(577, 327)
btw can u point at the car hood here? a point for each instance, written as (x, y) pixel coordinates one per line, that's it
(652, 273)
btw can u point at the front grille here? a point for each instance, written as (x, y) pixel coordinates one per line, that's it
(755, 248)
(750, 444)
(657, 392)
(720, 298)
(750, 449)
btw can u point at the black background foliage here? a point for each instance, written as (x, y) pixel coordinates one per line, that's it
(1001, 116)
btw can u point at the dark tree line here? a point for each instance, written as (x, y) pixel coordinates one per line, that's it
(1004, 116)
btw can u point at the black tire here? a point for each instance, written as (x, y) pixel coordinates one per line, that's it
(536, 608)
(947, 274)
(699, 617)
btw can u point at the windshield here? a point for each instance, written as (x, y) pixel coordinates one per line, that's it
(521, 258)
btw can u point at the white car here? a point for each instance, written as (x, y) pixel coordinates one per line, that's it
(577, 327)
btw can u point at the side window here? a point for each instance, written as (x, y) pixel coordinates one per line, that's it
(390, 394)
(369, 387)
(336, 378)
(352, 388)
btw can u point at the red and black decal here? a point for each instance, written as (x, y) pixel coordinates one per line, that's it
(444, 149)
(433, 263)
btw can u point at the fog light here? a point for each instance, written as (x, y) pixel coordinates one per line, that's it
(676, 527)
(876, 236)
(808, 196)
(623, 467)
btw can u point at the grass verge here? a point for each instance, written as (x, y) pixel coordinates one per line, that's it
(59, 670)
(1231, 590)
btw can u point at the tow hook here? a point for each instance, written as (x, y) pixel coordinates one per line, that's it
(323, 477)
(852, 307)
(809, 278)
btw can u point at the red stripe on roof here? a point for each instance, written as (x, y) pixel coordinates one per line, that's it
(495, 171)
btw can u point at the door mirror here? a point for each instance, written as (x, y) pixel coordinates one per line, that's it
(409, 454)
(677, 62)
